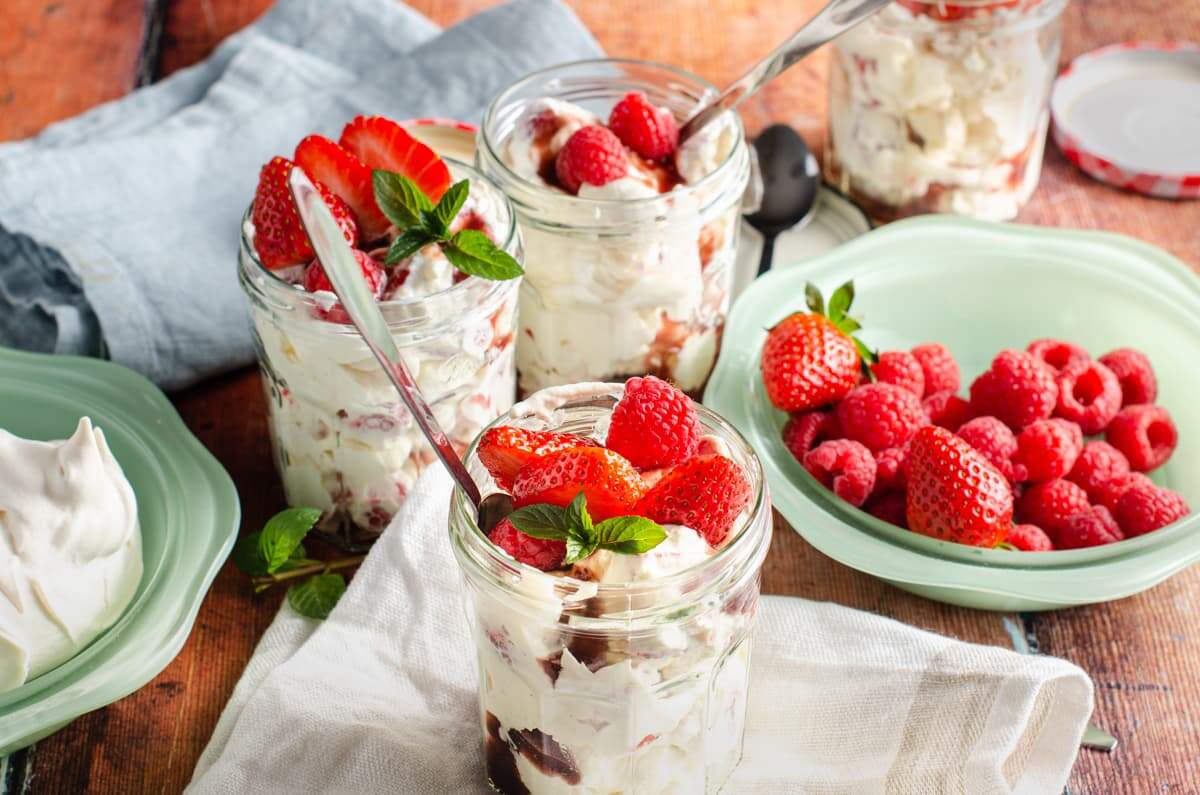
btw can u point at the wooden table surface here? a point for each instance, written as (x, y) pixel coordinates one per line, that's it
(60, 57)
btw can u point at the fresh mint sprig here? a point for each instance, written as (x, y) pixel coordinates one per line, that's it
(276, 554)
(573, 525)
(421, 222)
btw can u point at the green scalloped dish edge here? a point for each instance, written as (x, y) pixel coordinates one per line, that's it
(959, 574)
(201, 512)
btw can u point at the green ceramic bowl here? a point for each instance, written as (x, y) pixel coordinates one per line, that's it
(187, 507)
(978, 288)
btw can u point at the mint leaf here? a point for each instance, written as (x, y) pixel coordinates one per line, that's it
(449, 205)
(399, 198)
(629, 535)
(839, 302)
(812, 297)
(579, 521)
(409, 242)
(473, 253)
(578, 549)
(541, 521)
(298, 560)
(282, 535)
(316, 596)
(245, 555)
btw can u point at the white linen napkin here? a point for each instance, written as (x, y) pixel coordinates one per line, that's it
(381, 696)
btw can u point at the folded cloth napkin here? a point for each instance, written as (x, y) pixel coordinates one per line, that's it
(119, 229)
(381, 696)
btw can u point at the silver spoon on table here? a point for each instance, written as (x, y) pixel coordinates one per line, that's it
(833, 20)
(337, 258)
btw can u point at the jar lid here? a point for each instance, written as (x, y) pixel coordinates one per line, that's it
(1129, 114)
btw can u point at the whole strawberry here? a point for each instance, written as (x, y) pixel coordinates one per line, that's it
(809, 359)
(954, 493)
(654, 424)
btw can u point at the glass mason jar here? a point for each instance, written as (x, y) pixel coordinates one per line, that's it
(937, 107)
(342, 439)
(622, 286)
(601, 687)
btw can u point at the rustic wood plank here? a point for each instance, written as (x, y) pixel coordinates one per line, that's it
(58, 59)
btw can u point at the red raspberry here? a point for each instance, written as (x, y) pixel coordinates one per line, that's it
(1091, 528)
(804, 430)
(1145, 508)
(938, 366)
(1088, 394)
(1048, 505)
(1136, 376)
(1047, 449)
(890, 471)
(1112, 491)
(1030, 538)
(890, 507)
(1018, 389)
(901, 369)
(540, 553)
(947, 410)
(651, 132)
(592, 155)
(881, 415)
(654, 424)
(1098, 465)
(1056, 354)
(1146, 435)
(994, 440)
(846, 468)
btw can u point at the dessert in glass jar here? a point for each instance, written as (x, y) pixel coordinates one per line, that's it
(938, 107)
(630, 237)
(444, 278)
(612, 609)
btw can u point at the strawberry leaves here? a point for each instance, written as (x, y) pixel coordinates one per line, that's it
(627, 535)
(837, 312)
(422, 222)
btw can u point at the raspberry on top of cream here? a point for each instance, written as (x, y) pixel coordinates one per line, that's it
(70, 549)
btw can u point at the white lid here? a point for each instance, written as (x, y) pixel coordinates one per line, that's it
(1129, 114)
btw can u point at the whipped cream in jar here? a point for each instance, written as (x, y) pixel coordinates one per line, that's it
(624, 673)
(943, 107)
(633, 276)
(343, 440)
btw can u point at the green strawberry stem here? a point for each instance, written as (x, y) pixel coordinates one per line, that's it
(837, 311)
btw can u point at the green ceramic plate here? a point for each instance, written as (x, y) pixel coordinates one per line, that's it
(978, 288)
(187, 507)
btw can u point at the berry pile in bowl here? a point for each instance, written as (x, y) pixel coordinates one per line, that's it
(982, 392)
(1005, 467)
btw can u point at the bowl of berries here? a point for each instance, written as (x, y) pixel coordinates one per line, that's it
(995, 416)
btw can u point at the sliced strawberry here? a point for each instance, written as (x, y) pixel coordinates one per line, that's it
(316, 280)
(705, 493)
(610, 483)
(279, 237)
(382, 143)
(505, 449)
(325, 161)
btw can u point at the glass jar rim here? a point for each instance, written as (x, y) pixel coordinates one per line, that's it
(741, 540)
(1022, 10)
(283, 287)
(703, 184)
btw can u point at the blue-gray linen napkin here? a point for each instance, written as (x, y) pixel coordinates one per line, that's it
(119, 228)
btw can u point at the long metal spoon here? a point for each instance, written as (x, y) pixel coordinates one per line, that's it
(337, 258)
(832, 21)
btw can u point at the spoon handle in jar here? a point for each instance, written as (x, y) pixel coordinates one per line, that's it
(337, 258)
(834, 19)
